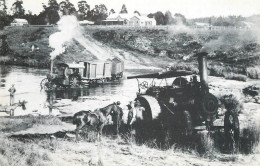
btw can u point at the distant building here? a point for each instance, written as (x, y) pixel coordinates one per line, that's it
(86, 22)
(19, 22)
(129, 19)
(245, 24)
(202, 25)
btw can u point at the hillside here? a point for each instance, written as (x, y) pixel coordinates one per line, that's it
(237, 49)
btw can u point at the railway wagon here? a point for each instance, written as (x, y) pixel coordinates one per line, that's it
(117, 68)
(108, 69)
(96, 70)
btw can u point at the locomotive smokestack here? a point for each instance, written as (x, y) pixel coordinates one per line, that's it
(203, 70)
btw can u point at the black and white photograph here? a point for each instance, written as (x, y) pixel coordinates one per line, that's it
(129, 82)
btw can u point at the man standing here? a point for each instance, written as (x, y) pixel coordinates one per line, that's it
(12, 90)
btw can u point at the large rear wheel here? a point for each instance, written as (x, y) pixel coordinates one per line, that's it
(148, 124)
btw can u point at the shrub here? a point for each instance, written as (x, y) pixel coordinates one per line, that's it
(233, 76)
(249, 138)
(253, 72)
(252, 90)
(216, 70)
(231, 103)
(4, 59)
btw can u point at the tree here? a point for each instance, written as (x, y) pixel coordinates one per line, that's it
(123, 10)
(180, 18)
(137, 12)
(30, 18)
(4, 48)
(151, 15)
(99, 13)
(4, 18)
(3, 6)
(50, 14)
(17, 8)
(159, 17)
(168, 18)
(83, 10)
(67, 8)
(112, 11)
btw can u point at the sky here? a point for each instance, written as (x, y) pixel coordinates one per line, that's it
(189, 8)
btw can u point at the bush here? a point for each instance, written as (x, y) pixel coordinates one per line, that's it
(253, 72)
(5, 59)
(233, 76)
(231, 103)
(249, 140)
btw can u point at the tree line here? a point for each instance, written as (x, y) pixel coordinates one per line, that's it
(52, 12)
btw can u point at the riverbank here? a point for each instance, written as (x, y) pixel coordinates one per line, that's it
(36, 138)
(47, 140)
(231, 55)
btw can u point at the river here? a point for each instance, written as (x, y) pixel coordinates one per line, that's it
(27, 83)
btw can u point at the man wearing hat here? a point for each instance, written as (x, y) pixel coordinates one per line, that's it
(12, 90)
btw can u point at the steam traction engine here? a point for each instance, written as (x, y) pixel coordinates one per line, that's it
(64, 75)
(182, 108)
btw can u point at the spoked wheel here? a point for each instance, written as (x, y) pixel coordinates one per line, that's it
(44, 84)
(74, 81)
(143, 85)
(231, 128)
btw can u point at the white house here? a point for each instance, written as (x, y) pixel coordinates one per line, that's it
(202, 25)
(129, 19)
(19, 22)
(86, 22)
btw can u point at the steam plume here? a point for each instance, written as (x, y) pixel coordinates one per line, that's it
(70, 30)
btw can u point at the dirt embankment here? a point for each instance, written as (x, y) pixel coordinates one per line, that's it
(29, 46)
(227, 46)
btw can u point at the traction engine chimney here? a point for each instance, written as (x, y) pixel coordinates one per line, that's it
(203, 71)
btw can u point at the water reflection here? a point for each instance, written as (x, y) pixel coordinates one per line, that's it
(27, 82)
(79, 93)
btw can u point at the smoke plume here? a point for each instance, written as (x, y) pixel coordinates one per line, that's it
(68, 26)
(69, 30)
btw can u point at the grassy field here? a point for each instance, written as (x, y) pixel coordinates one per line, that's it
(24, 145)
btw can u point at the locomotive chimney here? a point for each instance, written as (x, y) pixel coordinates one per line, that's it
(203, 70)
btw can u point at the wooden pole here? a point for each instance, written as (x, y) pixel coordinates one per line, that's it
(51, 66)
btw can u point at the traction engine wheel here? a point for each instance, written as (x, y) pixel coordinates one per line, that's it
(231, 128)
(144, 85)
(209, 104)
(74, 81)
(147, 123)
(44, 84)
(47, 85)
